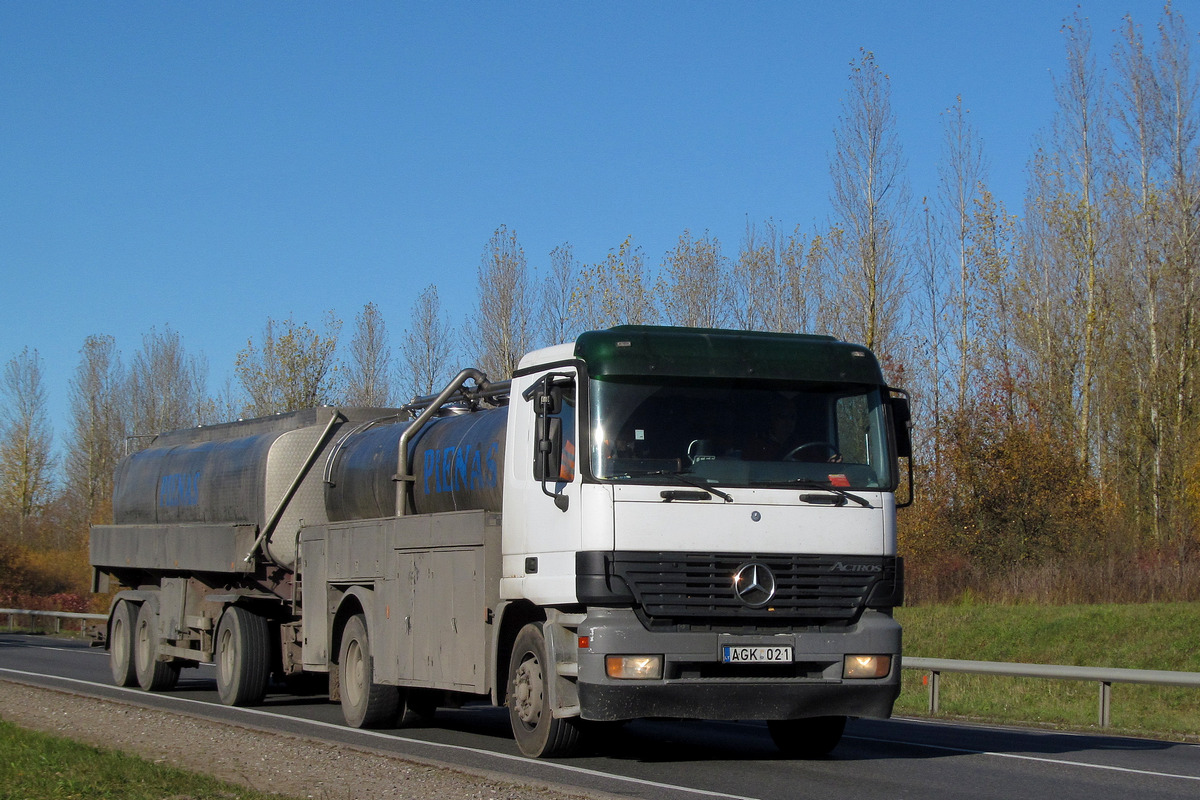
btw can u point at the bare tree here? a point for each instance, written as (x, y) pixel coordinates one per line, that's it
(292, 367)
(166, 385)
(1080, 138)
(693, 288)
(961, 175)
(97, 429)
(871, 207)
(26, 441)
(556, 322)
(369, 373)
(427, 350)
(502, 320)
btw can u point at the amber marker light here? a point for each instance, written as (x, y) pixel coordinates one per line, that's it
(634, 668)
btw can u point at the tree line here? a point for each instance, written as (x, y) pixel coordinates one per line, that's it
(1051, 350)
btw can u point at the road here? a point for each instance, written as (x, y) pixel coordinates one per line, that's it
(663, 760)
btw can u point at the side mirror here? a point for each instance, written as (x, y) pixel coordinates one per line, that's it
(902, 428)
(549, 443)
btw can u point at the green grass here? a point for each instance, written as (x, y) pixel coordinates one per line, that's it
(1152, 636)
(36, 766)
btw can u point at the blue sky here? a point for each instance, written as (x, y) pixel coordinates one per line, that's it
(205, 166)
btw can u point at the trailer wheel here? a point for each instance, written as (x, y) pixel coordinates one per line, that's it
(120, 643)
(243, 656)
(365, 704)
(152, 675)
(538, 732)
(807, 738)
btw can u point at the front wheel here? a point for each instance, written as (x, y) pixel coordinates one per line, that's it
(807, 738)
(365, 704)
(538, 732)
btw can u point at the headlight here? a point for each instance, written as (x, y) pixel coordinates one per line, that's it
(634, 668)
(867, 667)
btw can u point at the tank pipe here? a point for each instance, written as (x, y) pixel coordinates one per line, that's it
(402, 477)
(269, 528)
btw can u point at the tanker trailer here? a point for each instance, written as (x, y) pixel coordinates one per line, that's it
(645, 522)
(206, 531)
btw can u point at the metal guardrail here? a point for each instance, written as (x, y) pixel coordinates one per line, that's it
(58, 616)
(1105, 677)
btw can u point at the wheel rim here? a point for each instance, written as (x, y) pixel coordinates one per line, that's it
(355, 687)
(120, 642)
(142, 646)
(527, 691)
(225, 654)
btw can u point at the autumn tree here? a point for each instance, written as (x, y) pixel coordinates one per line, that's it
(166, 386)
(26, 442)
(426, 352)
(369, 371)
(502, 330)
(97, 434)
(870, 201)
(615, 291)
(555, 322)
(693, 287)
(291, 367)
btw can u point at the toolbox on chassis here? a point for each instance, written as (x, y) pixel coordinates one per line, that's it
(646, 522)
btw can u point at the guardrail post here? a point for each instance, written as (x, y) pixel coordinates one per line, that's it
(1105, 704)
(935, 680)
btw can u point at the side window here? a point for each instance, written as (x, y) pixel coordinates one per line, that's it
(557, 431)
(853, 428)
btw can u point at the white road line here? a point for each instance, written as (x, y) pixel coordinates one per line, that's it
(393, 738)
(1022, 757)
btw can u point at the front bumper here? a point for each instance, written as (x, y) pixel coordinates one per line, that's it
(697, 685)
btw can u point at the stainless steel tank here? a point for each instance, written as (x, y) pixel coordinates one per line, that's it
(242, 472)
(457, 462)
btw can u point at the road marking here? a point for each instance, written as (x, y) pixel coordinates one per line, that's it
(393, 738)
(1022, 757)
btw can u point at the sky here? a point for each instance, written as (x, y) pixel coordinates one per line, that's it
(207, 166)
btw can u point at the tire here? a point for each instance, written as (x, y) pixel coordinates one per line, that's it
(120, 643)
(365, 704)
(152, 675)
(538, 732)
(243, 657)
(807, 738)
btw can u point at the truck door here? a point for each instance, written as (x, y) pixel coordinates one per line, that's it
(553, 507)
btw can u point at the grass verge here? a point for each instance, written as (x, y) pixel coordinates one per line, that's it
(37, 766)
(1150, 636)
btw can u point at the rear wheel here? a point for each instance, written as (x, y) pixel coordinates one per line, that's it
(538, 732)
(243, 656)
(120, 644)
(365, 704)
(807, 738)
(153, 675)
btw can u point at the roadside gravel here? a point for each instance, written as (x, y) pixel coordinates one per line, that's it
(269, 762)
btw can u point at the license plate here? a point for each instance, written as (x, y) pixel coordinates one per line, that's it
(737, 654)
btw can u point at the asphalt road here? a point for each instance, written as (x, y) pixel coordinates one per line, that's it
(663, 760)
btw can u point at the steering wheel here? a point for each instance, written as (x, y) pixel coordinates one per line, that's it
(792, 455)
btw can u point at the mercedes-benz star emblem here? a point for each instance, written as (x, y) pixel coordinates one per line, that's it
(754, 584)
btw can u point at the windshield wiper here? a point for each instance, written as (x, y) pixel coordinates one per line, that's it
(682, 478)
(828, 487)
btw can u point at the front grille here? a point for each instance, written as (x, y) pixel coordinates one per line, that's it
(697, 588)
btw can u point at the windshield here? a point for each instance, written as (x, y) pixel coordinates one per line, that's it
(740, 433)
